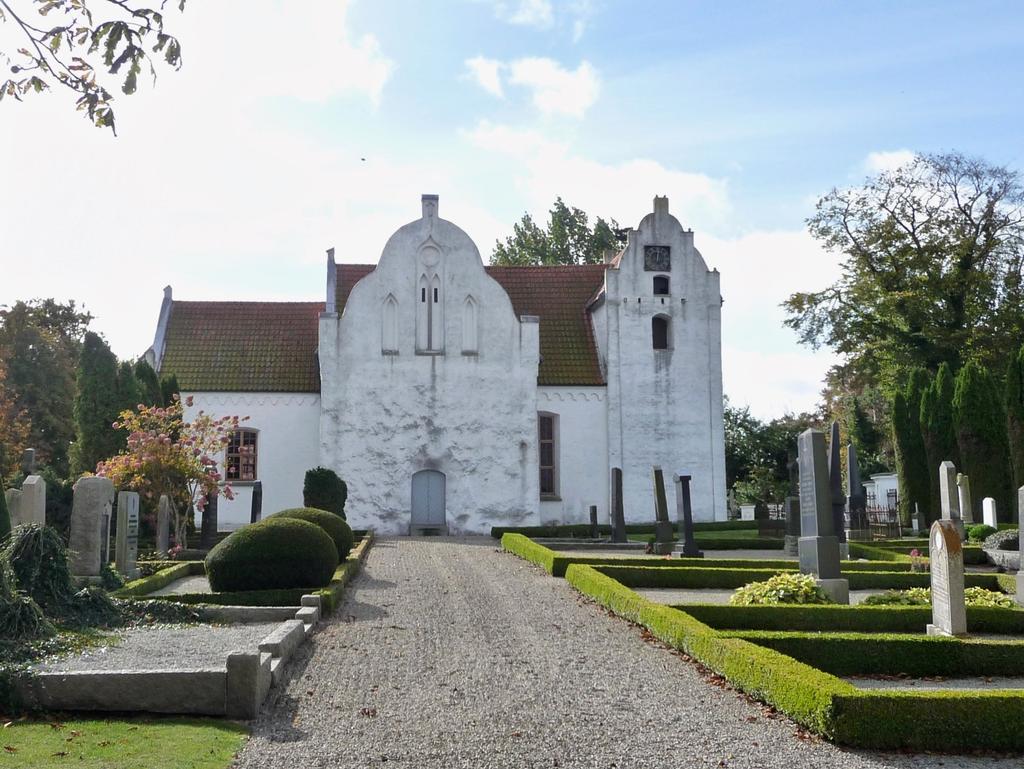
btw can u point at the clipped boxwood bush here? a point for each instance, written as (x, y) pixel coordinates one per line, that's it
(979, 532)
(274, 553)
(337, 528)
(324, 490)
(780, 589)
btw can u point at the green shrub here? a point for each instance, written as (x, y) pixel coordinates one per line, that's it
(324, 490)
(39, 563)
(337, 528)
(274, 553)
(979, 532)
(1006, 539)
(922, 596)
(20, 616)
(780, 589)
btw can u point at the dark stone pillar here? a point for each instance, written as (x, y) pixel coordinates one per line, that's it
(685, 515)
(257, 502)
(618, 513)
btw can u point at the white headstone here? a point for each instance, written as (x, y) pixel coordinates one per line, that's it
(163, 524)
(949, 494)
(127, 548)
(946, 557)
(33, 500)
(90, 525)
(963, 485)
(988, 512)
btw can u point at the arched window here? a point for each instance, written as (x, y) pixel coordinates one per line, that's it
(660, 332)
(469, 326)
(422, 314)
(661, 285)
(436, 341)
(389, 325)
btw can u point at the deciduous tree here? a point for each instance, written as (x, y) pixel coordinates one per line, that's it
(568, 239)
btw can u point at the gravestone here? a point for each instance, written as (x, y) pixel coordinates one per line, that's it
(594, 531)
(208, 531)
(28, 461)
(857, 498)
(835, 485)
(963, 493)
(89, 539)
(126, 550)
(946, 558)
(163, 524)
(618, 513)
(13, 498)
(949, 496)
(663, 529)
(32, 507)
(915, 520)
(684, 515)
(988, 512)
(792, 509)
(256, 512)
(1020, 549)
(819, 546)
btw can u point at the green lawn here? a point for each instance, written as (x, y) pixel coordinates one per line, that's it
(136, 743)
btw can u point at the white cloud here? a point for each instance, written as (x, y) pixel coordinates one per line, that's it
(529, 13)
(487, 74)
(556, 90)
(876, 162)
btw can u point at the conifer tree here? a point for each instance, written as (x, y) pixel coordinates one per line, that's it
(980, 422)
(149, 384)
(169, 388)
(97, 405)
(1015, 421)
(129, 393)
(937, 433)
(911, 459)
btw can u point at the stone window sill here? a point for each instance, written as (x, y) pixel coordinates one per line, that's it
(241, 484)
(550, 498)
(430, 353)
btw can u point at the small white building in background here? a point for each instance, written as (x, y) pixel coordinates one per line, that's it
(454, 396)
(883, 487)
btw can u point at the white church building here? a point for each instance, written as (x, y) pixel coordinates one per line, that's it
(456, 396)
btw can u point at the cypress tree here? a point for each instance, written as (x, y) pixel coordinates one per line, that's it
(97, 405)
(1015, 422)
(937, 433)
(169, 388)
(980, 422)
(149, 384)
(911, 458)
(129, 392)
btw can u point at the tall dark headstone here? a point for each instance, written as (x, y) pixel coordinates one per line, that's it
(208, 532)
(663, 529)
(792, 509)
(618, 513)
(858, 498)
(835, 487)
(684, 513)
(819, 546)
(593, 522)
(257, 502)
(28, 461)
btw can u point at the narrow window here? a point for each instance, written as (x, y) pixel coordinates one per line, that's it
(469, 326)
(548, 454)
(436, 341)
(660, 332)
(661, 285)
(389, 325)
(240, 462)
(423, 317)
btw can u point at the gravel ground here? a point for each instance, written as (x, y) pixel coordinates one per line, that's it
(164, 647)
(196, 584)
(671, 595)
(448, 653)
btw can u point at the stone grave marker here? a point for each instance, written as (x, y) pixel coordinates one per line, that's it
(13, 498)
(618, 513)
(835, 486)
(256, 512)
(208, 530)
(949, 496)
(163, 524)
(684, 515)
(963, 489)
(915, 519)
(946, 557)
(792, 509)
(32, 507)
(126, 550)
(594, 531)
(857, 498)
(988, 512)
(819, 546)
(89, 540)
(28, 461)
(663, 529)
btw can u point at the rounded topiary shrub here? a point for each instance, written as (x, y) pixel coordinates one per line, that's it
(979, 532)
(324, 490)
(337, 529)
(273, 554)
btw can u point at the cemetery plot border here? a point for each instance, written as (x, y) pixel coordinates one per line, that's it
(944, 721)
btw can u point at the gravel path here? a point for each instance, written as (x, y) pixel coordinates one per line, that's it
(164, 647)
(194, 584)
(447, 653)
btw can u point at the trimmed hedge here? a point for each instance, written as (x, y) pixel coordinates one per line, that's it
(334, 525)
(273, 554)
(323, 489)
(862, 619)
(849, 654)
(160, 579)
(583, 529)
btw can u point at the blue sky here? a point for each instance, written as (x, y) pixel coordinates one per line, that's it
(231, 177)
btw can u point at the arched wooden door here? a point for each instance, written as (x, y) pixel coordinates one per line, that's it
(428, 503)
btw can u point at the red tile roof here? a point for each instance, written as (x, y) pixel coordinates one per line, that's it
(272, 346)
(243, 346)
